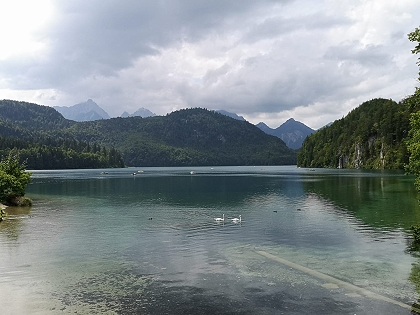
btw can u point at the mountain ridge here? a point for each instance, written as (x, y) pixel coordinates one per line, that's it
(292, 132)
(85, 111)
(90, 111)
(182, 138)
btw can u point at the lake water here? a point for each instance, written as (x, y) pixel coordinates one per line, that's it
(311, 241)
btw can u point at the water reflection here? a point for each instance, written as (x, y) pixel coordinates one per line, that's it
(148, 243)
(379, 202)
(13, 222)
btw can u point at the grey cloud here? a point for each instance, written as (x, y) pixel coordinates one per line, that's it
(212, 75)
(371, 55)
(247, 57)
(274, 27)
(102, 37)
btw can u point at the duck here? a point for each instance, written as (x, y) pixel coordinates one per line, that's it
(237, 220)
(220, 219)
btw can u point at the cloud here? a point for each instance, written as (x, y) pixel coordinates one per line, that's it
(261, 59)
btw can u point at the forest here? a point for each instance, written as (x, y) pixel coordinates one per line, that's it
(372, 136)
(46, 140)
(32, 130)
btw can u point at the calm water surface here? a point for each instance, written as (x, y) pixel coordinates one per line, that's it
(310, 242)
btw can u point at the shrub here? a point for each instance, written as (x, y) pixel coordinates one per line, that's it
(13, 178)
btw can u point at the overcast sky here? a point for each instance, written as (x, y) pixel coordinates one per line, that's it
(266, 60)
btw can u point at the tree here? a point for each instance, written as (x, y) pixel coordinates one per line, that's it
(13, 180)
(413, 143)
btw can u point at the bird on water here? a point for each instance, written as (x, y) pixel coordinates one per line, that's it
(220, 219)
(237, 220)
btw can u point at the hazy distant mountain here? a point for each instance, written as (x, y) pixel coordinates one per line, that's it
(142, 112)
(292, 132)
(86, 111)
(265, 128)
(232, 115)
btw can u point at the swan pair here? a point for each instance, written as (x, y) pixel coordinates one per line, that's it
(234, 220)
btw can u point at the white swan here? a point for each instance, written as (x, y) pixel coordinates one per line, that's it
(237, 220)
(220, 219)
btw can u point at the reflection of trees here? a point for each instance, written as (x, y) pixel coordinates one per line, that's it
(209, 191)
(378, 201)
(415, 279)
(13, 222)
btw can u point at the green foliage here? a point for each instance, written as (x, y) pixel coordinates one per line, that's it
(416, 233)
(49, 153)
(413, 142)
(414, 36)
(36, 132)
(371, 136)
(13, 178)
(413, 146)
(32, 116)
(184, 138)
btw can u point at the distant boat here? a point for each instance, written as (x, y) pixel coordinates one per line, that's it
(192, 172)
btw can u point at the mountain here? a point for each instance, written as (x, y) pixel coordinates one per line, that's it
(265, 128)
(185, 138)
(229, 114)
(27, 116)
(86, 111)
(372, 136)
(182, 138)
(36, 132)
(292, 132)
(142, 112)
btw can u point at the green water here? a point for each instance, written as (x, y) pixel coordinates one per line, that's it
(110, 242)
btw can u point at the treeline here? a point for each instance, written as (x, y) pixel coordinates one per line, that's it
(372, 136)
(61, 154)
(35, 132)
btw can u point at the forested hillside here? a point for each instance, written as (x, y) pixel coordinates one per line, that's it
(186, 137)
(372, 136)
(34, 131)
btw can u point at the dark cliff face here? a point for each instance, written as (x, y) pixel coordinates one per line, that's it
(372, 153)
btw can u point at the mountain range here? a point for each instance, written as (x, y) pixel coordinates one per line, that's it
(292, 132)
(86, 111)
(189, 137)
(142, 112)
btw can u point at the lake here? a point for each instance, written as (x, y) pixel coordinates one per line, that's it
(145, 241)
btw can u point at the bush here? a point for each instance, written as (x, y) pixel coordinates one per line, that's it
(13, 179)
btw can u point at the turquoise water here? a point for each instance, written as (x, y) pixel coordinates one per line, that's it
(110, 242)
